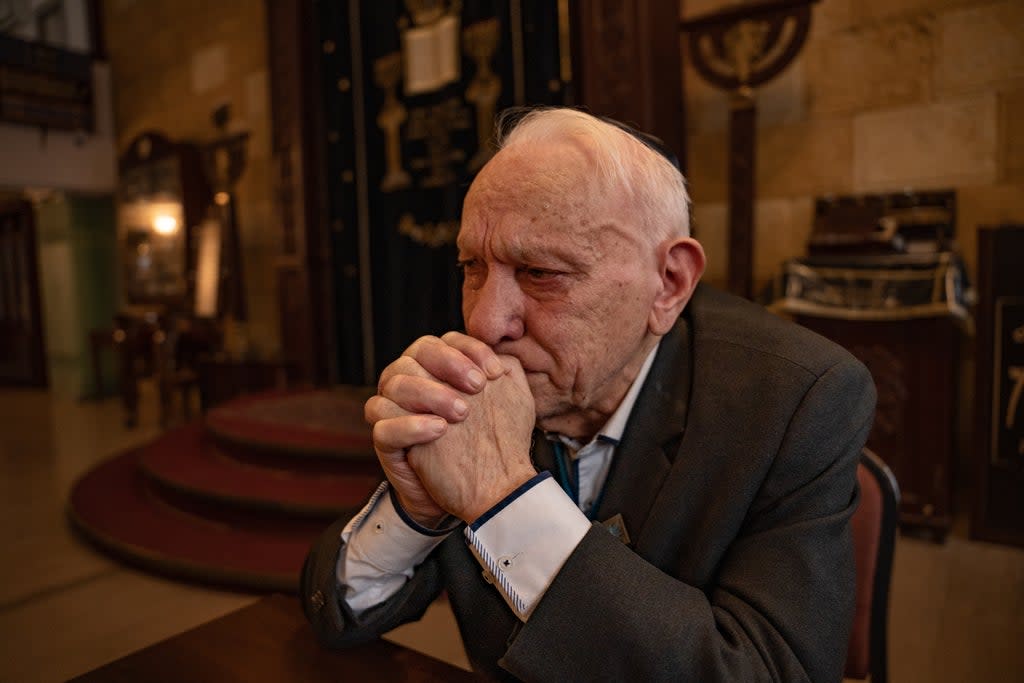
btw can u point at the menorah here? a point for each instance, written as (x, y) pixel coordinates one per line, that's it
(737, 49)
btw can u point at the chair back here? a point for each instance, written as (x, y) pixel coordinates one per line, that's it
(874, 534)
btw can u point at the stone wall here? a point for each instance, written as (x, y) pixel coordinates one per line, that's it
(173, 63)
(887, 95)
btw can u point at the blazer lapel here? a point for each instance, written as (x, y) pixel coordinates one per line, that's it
(645, 454)
(541, 452)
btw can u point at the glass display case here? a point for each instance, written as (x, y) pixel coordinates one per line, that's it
(160, 199)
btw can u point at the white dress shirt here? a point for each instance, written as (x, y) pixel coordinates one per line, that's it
(521, 543)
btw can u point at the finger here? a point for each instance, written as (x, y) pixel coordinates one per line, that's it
(424, 395)
(448, 364)
(400, 433)
(378, 408)
(403, 365)
(479, 352)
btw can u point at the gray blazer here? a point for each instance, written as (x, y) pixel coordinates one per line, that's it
(736, 478)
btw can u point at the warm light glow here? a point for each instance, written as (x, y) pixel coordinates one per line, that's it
(207, 269)
(221, 198)
(165, 225)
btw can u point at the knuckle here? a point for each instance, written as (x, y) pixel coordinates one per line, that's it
(420, 344)
(394, 374)
(393, 368)
(387, 435)
(391, 385)
(380, 408)
(386, 384)
(401, 389)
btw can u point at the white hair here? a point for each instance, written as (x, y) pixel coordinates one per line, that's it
(653, 187)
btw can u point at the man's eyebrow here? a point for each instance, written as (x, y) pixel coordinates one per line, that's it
(532, 253)
(547, 255)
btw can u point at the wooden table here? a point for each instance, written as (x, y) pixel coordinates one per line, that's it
(269, 641)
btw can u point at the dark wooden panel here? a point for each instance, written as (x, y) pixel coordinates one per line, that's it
(914, 365)
(742, 164)
(292, 296)
(22, 352)
(998, 512)
(627, 65)
(297, 141)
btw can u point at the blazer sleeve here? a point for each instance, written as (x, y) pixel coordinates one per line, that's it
(323, 598)
(782, 604)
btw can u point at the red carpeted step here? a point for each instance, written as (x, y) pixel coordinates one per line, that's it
(238, 498)
(117, 507)
(312, 423)
(187, 461)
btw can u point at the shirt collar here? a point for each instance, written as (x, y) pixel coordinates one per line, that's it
(612, 431)
(616, 425)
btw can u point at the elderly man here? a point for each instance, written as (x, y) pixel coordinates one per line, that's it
(616, 473)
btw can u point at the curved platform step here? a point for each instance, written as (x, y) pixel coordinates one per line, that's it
(185, 460)
(310, 423)
(118, 508)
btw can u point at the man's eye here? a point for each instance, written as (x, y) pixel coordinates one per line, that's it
(472, 272)
(538, 273)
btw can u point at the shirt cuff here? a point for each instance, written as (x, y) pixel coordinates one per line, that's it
(380, 552)
(447, 525)
(523, 541)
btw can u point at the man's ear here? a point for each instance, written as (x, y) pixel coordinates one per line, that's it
(680, 265)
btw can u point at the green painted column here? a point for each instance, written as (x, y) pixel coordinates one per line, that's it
(78, 277)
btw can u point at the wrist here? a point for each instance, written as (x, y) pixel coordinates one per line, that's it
(510, 490)
(431, 523)
(425, 523)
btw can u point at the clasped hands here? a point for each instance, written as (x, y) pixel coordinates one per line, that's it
(451, 426)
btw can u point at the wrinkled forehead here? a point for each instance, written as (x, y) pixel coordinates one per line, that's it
(545, 207)
(550, 182)
(537, 174)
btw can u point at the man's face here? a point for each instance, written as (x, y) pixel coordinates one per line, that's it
(560, 278)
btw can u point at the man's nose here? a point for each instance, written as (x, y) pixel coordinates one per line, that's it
(494, 312)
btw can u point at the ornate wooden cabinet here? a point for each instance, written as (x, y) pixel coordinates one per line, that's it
(382, 114)
(881, 280)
